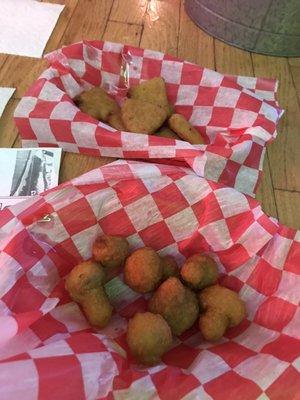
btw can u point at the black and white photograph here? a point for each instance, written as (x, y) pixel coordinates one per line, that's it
(34, 172)
(28, 172)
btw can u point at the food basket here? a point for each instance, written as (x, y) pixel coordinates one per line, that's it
(49, 351)
(236, 115)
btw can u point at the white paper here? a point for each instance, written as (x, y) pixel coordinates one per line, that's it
(26, 25)
(5, 95)
(27, 172)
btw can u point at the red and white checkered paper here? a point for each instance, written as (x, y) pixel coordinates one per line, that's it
(236, 115)
(49, 351)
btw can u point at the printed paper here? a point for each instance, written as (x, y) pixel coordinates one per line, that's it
(27, 172)
(26, 26)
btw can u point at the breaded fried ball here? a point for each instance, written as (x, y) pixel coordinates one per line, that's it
(97, 308)
(148, 337)
(110, 251)
(166, 132)
(184, 129)
(221, 308)
(84, 284)
(153, 91)
(84, 277)
(143, 270)
(115, 120)
(213, 325)
(177, 304)
(199, 271)
(169, 267)
(97, 103)
(170, 110)
(142, 117)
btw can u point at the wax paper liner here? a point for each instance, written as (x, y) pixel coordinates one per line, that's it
(236, 115)
(48, 350)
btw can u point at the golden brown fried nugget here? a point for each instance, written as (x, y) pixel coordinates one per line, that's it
(166, 132)
(97, 308)
(97, 103)
(143, 270)
(115, 120)
(221, 309)
(184, 129)
(148, 337)
(142, 117)
(153, 91)
(84, 284)
(84, 277)
(169, 267)
(170, 110)
(199, 271)
(176, 303)
(110, 251)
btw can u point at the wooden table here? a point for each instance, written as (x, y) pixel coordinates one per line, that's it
(132, 22)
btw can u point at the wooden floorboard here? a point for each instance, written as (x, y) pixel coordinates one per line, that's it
(8, 130)
(129, 11)
(20, 72)
(284, 151)
(294, 64)
(161, 27)
(288, 204)
(128, 33)
(195, 45)
(3, 58)
(88, 21)
(231, 60)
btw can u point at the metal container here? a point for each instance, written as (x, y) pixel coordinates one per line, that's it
(263, 26)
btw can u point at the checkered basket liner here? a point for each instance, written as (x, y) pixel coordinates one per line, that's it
(236, 115)
(49, 351)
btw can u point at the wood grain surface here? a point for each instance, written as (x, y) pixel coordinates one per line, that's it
(294, 64)
(130, 11)
(283, 154)
(200, 49)
(161, 26)
(8, 130)
(164, 26)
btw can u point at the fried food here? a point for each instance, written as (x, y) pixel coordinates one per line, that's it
(199, 271)
(115, 120)
(143, 270)
(84, 284)
(153, 91)
(221, 308)
(110, 251)
(97, 308)
(176, 303)
(148, 337)
(84, 277)
(184, 129)
(142, 117)
(170, 110)
(169, 267)
(166, 132)
(97, 103)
